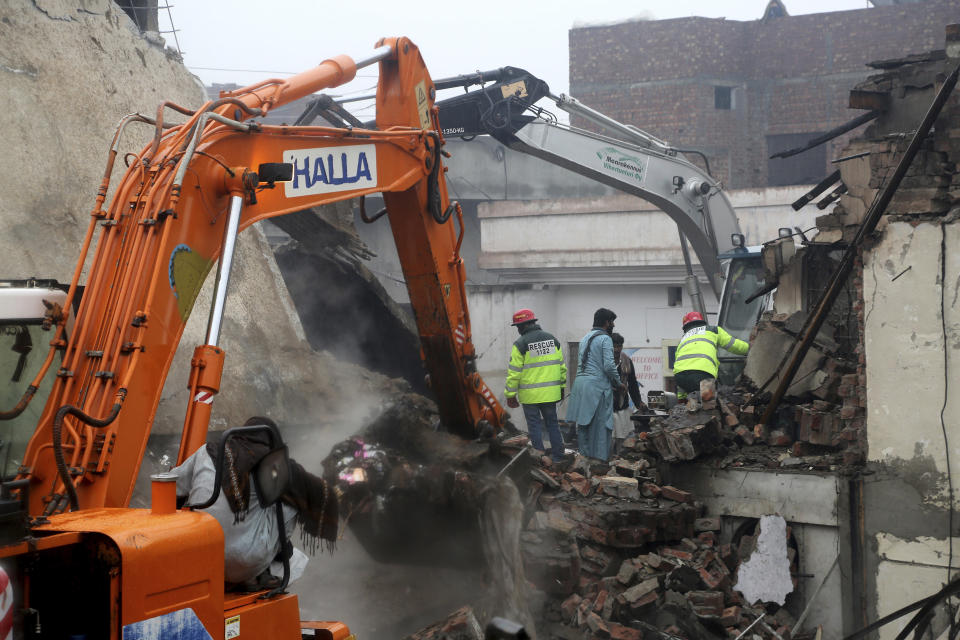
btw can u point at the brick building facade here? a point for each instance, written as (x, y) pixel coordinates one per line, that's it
(740, 91)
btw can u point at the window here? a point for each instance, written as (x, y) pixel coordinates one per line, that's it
(808, 167)
(674, 296)
(723, 98)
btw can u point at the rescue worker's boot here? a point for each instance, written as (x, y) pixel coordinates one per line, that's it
(708, 394)
(693, 401)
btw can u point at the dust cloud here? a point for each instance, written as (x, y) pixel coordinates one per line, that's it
(377, 600)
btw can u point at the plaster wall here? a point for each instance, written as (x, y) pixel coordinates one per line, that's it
(906, 508)
(904, 340)
(907, 570)
(614, 231)
(643, 318)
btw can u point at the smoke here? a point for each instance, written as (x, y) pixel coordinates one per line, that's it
(345, 311)
(377, 600)
(502, 522)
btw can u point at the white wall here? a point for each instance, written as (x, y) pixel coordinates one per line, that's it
(904, 341)
(614, 231)
(643, 318)
(566, 258)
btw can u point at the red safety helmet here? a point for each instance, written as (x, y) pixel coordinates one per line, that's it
(693, 316)
(523, 315)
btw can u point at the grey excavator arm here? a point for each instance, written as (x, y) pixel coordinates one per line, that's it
(628, 159)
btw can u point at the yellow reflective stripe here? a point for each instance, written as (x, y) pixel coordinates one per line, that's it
(690, 356)
(542, 363)
(512, 388)
(513, 368)
(538, 385)
(730, 343)
(688, 341)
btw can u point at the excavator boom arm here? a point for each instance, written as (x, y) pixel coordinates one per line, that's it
(629, 160)
(177, 211)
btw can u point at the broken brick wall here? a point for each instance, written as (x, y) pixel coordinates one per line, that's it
(904, 402)
(790, 75)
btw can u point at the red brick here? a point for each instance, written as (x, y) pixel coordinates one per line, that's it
(744, 434)
(730, 617)
(676, 553)
(597, 625)
(706, 603)
(677, 495)
(779, 438)
(620, 632)
(644, 604)
(578, 483)
(600, 601)
(649, 490)
(710, 580)
(569, 606)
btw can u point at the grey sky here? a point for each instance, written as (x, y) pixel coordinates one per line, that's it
(221, 38)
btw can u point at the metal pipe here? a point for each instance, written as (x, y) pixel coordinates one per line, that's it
(869, 223)
(375, 56)
(223, 271)
(693, 284)
(574, 107)
(195, 140)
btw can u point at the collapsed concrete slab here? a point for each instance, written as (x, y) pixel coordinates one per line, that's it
(685, 436)
(768, 349)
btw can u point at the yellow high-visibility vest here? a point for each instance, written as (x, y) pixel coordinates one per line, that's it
(697, 350)
(537, 372)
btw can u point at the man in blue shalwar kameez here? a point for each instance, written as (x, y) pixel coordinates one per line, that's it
(591, 399)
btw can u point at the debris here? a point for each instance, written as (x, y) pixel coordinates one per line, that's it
(460, 625)
(684, 435)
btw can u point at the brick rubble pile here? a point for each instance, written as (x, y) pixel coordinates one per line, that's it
(621, 555)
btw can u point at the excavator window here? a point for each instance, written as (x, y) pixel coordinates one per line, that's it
(23, 348)
(744, 277)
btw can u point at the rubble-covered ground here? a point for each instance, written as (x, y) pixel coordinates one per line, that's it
(590, 550)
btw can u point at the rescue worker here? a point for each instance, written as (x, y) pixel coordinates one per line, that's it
(622, 424)
(696, 357)
(591, 399)
(536, 378)
(250, 531)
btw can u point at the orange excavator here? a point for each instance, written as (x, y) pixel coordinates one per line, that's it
(75, 560)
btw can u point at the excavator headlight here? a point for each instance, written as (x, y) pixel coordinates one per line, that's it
(737, 240)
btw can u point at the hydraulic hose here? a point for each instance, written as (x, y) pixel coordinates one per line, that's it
(63, 412)
(433, 186)
(20, 406)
